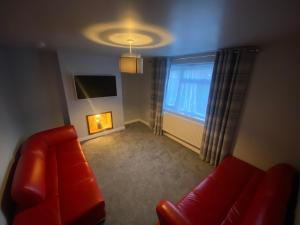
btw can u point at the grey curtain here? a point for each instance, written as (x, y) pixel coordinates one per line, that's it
(160, 72)
(228, 88)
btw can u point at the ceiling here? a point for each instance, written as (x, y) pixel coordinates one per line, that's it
(194, 25)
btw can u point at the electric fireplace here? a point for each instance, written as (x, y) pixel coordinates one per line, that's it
(99, 122)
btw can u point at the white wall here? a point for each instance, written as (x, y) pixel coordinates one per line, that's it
(137, 94)
(147, 90)
(270, 126)
(11, 129)
(183, 130)
(30, 90)
(38, 83)
(86, 63)
(132, 96)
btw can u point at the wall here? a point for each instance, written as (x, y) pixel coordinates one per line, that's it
(40, 93)
(270, 125)
(86, 63)
(186, 131)
(147, 90)
(30, 101)
(10, 129)
(132, 101)
(137, 94)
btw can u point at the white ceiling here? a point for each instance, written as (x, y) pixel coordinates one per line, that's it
(197, 26)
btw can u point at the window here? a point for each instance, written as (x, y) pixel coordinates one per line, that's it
(187, 87)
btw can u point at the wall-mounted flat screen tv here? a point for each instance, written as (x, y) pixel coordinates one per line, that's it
(94, 86)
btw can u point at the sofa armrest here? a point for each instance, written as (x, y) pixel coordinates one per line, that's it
(169, 214)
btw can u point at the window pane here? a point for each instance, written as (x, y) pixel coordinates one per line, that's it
(187, 89)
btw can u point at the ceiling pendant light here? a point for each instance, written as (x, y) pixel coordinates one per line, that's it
(131, 63)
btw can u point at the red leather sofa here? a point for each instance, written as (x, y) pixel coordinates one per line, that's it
(235, 193)
(53, 183)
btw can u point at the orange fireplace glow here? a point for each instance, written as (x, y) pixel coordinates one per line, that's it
(99, 122)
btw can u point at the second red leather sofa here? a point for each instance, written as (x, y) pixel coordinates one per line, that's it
(236, 193)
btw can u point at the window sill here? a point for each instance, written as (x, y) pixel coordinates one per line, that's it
(185, 117)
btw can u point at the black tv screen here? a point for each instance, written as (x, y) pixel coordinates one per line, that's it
(88, 86)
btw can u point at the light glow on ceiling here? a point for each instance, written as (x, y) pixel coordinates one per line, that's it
(117, 34)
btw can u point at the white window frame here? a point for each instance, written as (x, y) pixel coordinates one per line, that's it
(189, 59)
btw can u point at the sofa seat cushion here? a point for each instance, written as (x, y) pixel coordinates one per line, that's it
(69, 154)
(210, 201)
(81, 201)
(73, 175)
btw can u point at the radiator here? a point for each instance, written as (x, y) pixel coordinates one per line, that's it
(187, 131)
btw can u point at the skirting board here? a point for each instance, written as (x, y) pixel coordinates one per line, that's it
(101, 133)
(137, 120)
(185, 144)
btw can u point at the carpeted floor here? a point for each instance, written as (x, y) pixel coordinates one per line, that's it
(136, 169)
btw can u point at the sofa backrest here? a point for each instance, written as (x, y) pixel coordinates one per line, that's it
(29, 184)
(58, 135)
(271, 199)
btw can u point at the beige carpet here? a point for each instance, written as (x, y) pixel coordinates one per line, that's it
(135, 169)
